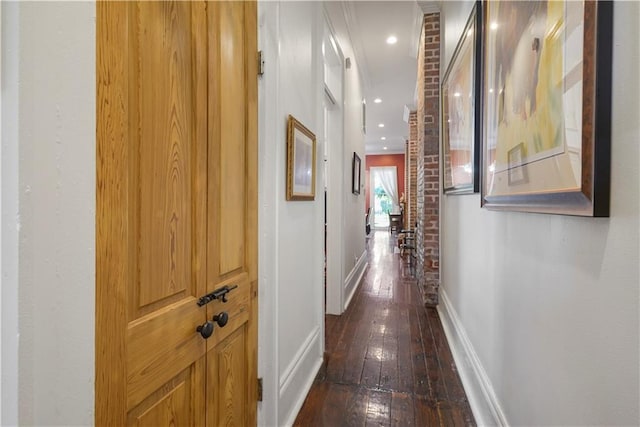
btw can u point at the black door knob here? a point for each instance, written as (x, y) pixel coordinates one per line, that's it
(206, 330)
(221, 318)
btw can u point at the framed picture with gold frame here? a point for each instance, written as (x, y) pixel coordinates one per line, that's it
(301, 161)
(546, 113)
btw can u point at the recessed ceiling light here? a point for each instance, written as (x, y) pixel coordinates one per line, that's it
(494, 26)
(392, 40)
(384, 148)
(456, 94)
(381, 125)
(470, 32)
(377, 100)
(383, 138)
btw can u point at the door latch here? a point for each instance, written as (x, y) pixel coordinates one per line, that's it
(220, 293)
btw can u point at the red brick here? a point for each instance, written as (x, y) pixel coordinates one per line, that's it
(425, 135)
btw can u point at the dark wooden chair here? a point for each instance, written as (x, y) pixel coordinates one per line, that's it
(367, 223)
(395, 223)
(407, 244)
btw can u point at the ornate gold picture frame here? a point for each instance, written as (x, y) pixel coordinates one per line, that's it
(301, 161)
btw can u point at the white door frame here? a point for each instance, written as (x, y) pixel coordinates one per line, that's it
(334, 125)
(335, 191)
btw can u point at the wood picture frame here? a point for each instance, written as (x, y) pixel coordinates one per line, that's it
(546, 114)
(356, 173)
(460, 98)
(301, 161)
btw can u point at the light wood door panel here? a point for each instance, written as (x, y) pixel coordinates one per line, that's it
(227, 150)
(167, 146)
(162, 104)
(170, 404)
(226, 368)
(232, 210)
(161, 345)
(232, 135)
(176, 212)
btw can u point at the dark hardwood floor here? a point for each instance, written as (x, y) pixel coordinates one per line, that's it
(388, 361)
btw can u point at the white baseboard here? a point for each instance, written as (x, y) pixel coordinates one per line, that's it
(354, 278)
(297, 379)
(482, 398)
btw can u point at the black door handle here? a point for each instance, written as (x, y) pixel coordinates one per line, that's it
(206, 329)
(221, 318)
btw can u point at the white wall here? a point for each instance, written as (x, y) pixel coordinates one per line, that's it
(291, 338)
(291, 233)
(49, 124)
(354, 231)
(548, 305)
(10, 219)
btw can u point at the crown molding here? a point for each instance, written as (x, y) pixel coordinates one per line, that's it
(429, 6)
(353, 28)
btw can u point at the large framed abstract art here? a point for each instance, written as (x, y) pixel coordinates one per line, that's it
(546, 99)
(461, 113)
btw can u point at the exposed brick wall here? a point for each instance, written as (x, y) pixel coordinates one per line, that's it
(428, 150)
(412, 172)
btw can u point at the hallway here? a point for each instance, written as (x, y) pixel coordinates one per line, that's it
(388, 362)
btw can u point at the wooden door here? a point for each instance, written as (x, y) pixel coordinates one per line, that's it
(176, 213)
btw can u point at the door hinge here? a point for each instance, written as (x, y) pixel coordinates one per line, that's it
(259, 389)
(260, 63)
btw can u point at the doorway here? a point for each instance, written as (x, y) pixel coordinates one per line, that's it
(334, 170)
(383, 184)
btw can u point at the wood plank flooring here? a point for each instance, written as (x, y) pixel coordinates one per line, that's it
(388, 362)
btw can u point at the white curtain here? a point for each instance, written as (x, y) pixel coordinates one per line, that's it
(387, 177)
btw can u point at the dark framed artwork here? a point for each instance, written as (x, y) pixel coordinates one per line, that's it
(547, 106)
(461, 130)
(301, 161)
(355, 174)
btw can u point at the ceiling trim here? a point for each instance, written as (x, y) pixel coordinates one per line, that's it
(383, 152)
(428, 6)
(333, 35)
(417, 29)
(415, 92)
(353, 27)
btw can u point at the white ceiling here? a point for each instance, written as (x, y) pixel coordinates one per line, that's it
(388, 71)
